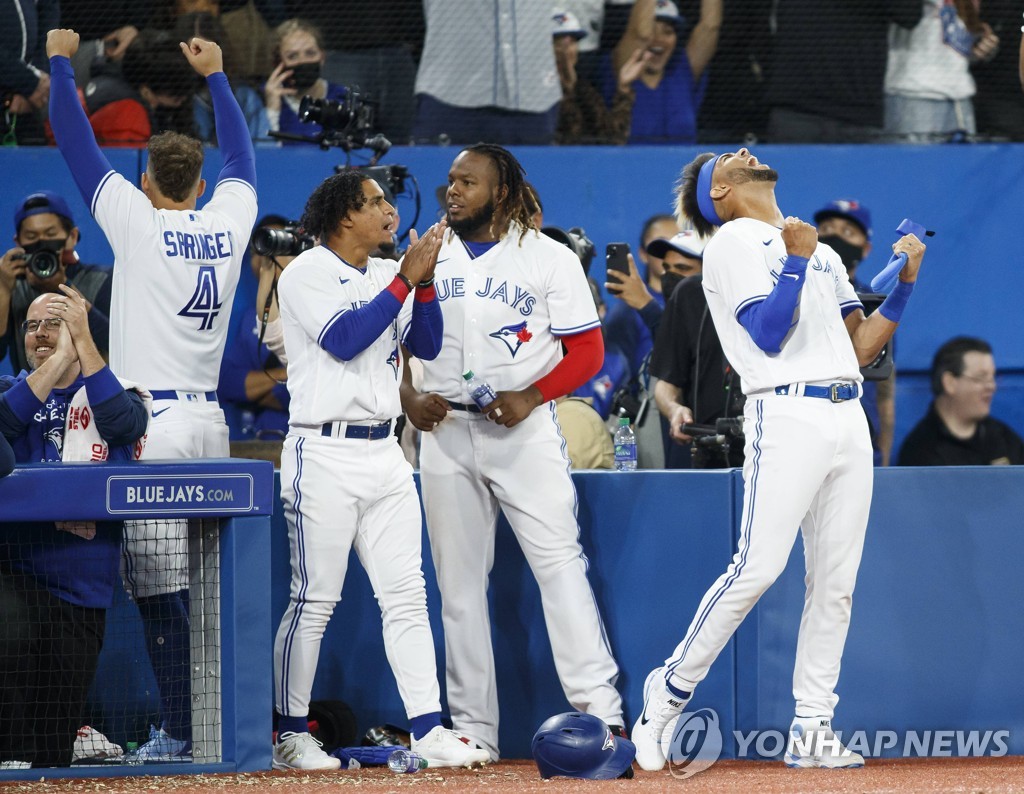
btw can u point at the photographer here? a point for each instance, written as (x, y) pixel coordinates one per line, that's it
(253, 373)
(43, 258)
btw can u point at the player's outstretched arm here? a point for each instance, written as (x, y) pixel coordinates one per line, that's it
(232, 131)
(71, 128)
(426, 329)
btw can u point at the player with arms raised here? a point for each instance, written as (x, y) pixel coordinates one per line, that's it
(175, 273)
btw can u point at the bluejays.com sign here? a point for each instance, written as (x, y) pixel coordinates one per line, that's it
(180, 495)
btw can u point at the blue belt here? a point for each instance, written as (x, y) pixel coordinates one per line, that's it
(186, 396)
(836, 392)
(473, 409)
(371, 432)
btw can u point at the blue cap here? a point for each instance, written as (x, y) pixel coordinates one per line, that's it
(40, 202)
(851, 209)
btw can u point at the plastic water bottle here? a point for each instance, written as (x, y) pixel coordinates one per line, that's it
(248, 422)
(481, 391)
(403, 761)
(625, 446)
(131, 756)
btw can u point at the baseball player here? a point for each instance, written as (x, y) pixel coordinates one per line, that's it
(175, 273)
(792, 326)
(511, 298)
(345, 481)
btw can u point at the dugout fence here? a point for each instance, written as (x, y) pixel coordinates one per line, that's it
(218, 513)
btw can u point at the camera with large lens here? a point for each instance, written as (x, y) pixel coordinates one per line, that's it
(289, 241)
(42, 258)
(347, 123)
(575, 240)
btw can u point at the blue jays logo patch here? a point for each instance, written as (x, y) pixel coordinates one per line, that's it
(513, 336)
(394, 360)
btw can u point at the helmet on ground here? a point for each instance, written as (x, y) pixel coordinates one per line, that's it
(581, 745)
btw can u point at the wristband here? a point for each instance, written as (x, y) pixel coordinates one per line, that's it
(405, 280)
(892, 307)
(426, 283)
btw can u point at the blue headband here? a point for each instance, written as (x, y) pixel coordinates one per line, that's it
(705, 203)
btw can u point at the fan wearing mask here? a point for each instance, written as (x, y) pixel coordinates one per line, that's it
(845, 226)
(299, 56)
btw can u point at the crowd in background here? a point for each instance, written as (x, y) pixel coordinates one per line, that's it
(585, 72)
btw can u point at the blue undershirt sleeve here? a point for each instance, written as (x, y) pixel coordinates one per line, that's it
(769, 321)
(71, 129)
(232, 132)
(426, 330)
(350, 333)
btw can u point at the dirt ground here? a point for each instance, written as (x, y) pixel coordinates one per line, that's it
(973, 775)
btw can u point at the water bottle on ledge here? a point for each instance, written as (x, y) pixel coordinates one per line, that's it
(403, 761)
(625, 445)
(481, 391)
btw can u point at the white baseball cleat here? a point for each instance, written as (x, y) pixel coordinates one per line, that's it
(301, 751)
(661, 709)
(442, 747)
(813, 745)
(91, 745)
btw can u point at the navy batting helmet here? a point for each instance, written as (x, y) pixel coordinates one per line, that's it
(580, 745)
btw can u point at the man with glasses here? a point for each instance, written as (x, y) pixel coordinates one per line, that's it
(958, 429)
(57, 580)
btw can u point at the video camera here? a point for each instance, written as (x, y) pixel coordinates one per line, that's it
(711, 445)
(575, 240)
(346, 123)
(289, 241)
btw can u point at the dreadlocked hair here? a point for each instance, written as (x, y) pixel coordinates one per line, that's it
(517, 201)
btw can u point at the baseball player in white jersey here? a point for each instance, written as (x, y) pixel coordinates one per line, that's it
(793, 328)
(511, 298)
(345, 482)
(175, 273)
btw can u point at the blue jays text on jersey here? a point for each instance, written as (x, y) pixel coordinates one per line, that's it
(509, 294)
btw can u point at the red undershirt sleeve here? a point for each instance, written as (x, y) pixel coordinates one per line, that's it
(584, 354)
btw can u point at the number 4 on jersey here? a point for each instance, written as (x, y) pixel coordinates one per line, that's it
(205, 301)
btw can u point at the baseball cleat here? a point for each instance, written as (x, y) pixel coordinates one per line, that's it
(91, 745)
(443, 747)
(813, 745)
(301, 751)
(162, 748)
(661, 709)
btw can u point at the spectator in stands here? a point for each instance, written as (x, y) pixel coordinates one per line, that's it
(43, 220)
(24, 78)
(928, 82)
(845, 225)
(670, 88)
(57, 579)
(695, 384)
(152, 94)
(958, 429)
(583, 116)
(207, 25)
(107, 28)
(299, 57)
(831, 93)
(998, 109)
(633, 320)
(252, 377)
(486, 75)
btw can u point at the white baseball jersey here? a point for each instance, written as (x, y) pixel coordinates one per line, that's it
(742, 264)
(316, 289)
(175, 273)
(504, 312)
